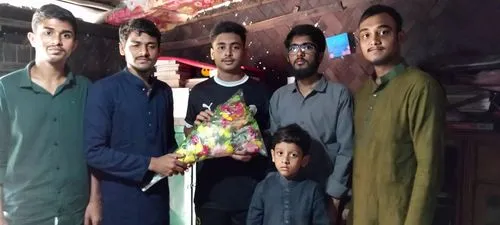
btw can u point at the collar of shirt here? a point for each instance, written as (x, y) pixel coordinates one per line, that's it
(231, 83)
(25, 81)
(290, 182)
(138, 82)
(394, 72)
(320, 86)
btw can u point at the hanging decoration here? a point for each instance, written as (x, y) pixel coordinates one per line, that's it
(166, 14)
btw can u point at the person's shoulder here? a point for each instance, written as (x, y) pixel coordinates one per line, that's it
(163, 85)
(270, 179)
(419, 78)
(107, 84)
(416, 74)
(82, 80)
(311, 187)
(202, 86)
(336, 87)
(256, 84)
(252, 81)
(110, 80)
(283, 90)
(14, 76)
(310, 184)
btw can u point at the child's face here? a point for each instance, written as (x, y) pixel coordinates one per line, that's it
(288, 159)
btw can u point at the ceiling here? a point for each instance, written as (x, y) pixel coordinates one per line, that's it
(113, 3)
(166, 14)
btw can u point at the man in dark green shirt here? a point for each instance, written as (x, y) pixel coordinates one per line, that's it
(44, 177)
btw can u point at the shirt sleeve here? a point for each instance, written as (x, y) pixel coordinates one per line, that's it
(337, 184)
(426, 115)
(191, 112)
(4, 134)
(98, 124)
(274, 119)
(171, 142)
(255, 214)
(320, 214)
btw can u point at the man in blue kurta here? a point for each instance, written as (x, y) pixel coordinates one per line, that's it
(129, 132)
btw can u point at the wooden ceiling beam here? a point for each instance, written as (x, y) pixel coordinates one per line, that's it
(229, 11)
(259, 26)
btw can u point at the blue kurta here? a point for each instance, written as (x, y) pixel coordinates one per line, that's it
(124, 128)
(281, 201)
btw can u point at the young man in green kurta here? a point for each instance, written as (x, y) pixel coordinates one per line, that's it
(399, 124)
(43, 172)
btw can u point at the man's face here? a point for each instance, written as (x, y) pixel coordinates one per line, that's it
(288, 159)
(303, 57)
(227, 52)
(379, 39)
(53, 40)
(141, 52)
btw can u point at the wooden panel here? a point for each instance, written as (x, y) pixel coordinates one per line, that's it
(488, 159)
(354, 3)
(468, 179)
(468, 194)
(487, 205)
(270, 12)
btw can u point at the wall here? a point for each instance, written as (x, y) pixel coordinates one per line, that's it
(96, 56)
(435, 28)
(14, 53)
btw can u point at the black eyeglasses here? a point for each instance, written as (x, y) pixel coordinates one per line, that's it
(306, 48)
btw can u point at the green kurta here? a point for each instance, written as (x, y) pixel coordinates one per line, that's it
(43, 169)
(398, 146)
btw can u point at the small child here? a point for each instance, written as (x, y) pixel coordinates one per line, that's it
(283, 197)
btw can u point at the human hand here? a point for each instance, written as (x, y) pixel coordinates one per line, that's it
(336, 203)
(3, 221)
(345, 214)
(203, 116)
(168, 165)
(242, 156)
(93, 213)
(334, 210)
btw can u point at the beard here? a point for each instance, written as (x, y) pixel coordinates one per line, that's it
(143, 70)
(309, 71)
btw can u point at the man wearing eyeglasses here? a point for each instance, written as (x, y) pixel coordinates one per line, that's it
(323, 108)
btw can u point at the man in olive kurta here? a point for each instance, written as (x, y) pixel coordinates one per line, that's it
(399, 122)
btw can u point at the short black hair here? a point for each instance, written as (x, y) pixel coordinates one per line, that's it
(293, 134)
(140, 25)
(379, 9)
(228, 27)
(51, 11)
(316, 35)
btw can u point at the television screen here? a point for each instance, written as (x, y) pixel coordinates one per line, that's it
(339, 45)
